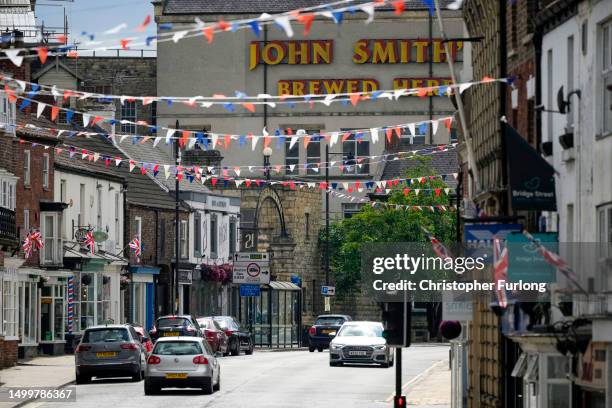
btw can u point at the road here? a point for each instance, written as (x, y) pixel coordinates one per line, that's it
(272, 379)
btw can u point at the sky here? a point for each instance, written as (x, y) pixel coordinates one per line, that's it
(95, 17)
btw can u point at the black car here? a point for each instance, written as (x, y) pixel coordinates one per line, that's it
(239, 337)
(172, 326)
(324, 330)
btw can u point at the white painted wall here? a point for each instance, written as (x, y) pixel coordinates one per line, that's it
(111, 195)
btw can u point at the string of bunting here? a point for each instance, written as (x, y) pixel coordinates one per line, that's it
(304, 16)
(197, 173)
(383, 204)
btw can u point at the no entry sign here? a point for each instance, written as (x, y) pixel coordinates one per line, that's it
(251, 268)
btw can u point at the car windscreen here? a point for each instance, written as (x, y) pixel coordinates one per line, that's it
(227, 324)
(330, 321)
(177, 348)
(361, 331)
(206, 324)
(172, 322)
(105, 335)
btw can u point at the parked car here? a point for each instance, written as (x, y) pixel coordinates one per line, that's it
(321, 333)
(144, 337)
(174, 326)
(214, 334)
(112, 350)
(239, 337)
(360, 342)
(182, 362)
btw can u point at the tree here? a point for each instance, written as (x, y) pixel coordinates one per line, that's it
(388, 224)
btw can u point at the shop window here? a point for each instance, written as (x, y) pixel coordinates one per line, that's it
(9, 312)
(94, 299)
(139, 303)
(53, 319)
(27, 303)
(356, 154)
(51, 253)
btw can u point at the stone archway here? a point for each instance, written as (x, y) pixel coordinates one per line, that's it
(269, 196)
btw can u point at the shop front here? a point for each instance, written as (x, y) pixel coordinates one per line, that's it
(53, 312)
(274, 317)
(185, 279)
(143, 295)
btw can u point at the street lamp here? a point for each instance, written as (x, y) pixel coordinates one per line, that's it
(267, 152)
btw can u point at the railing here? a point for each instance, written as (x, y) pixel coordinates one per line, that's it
(8, 226)
(595, 304)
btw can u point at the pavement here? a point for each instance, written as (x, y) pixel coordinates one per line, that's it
(295, 379)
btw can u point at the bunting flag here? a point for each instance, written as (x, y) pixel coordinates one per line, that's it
(500, 271)
(33, 242)
(439, 249)
(136, 247)
(555, 260)
(90, 243)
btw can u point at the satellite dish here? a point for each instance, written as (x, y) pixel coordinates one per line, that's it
(562, 104)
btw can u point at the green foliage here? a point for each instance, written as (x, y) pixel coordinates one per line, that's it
(383, 224)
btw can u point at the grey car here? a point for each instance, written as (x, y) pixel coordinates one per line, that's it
(182, 362)
(113, 350)
(362, 343)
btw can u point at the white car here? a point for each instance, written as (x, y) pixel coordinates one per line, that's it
(182, 362)
(361, 343)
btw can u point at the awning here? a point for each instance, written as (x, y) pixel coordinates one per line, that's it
(98, 255)
(278, 285)
(151, 270)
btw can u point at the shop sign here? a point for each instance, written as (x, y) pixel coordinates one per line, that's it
(525, 261)
(100, 236)
(185, 277)
(479, 238)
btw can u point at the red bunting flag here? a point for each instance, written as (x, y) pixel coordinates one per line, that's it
(406, 192)
(228, 140)
(399, 7)
(209, 33)
(43, 52)
(249, 106)
(144, 24)
(62, 39)
(448, 122)
(354, 99)
(54, 112)
(214, 181)
(306, 141)
(184, 138)
(389, 132)
(224, 25)
(346, 136)
(124, 43)
(438, 191)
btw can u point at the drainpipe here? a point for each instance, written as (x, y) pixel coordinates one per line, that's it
(430, 63)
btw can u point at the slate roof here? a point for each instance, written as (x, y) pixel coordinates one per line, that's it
(142, 190)
(442, 162)
(159, 155)
(259, 6)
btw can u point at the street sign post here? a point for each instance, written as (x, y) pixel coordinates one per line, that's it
(328, 290)
(248, 290)
(251, 268)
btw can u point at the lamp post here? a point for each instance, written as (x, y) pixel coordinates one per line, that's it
(267, 152)
(177, 157)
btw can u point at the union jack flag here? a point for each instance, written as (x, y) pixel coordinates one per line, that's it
(438, 247)
(33, 241)
(500, 271)
(555, 260)
(136, 247)
(90, 242)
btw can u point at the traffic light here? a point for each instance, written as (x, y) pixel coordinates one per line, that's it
(399, 401)
(396, 318)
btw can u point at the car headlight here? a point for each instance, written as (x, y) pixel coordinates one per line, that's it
(381, 347)
(336, 346)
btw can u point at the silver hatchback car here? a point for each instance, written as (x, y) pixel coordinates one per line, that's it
(182, 362)
(113, 350)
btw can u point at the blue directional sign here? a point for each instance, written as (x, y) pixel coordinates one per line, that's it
(250, 290)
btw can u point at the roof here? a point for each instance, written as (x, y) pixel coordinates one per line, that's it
(260, 6)
(18, 15)
(442, 162)
(146, 153)
(54, 63)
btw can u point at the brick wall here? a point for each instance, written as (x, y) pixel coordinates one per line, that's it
(8, 352)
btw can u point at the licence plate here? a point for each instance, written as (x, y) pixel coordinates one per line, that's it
(171, 334)
(357, 353)
(327, 331)
(106, 354)
(176, 375)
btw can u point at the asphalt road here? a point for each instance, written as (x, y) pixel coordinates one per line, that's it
(270, 379)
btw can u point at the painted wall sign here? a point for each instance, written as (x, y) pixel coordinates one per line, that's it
(306, 52)
(403, 51)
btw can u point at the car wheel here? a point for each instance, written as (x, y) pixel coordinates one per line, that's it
(138, 376)
(333, 364)
(319, 349)
(311, 349)
(207, 386)
(391, 363)
(150, 389)
(235, 348)
(217, 386)
(250, 350)
(82, 379)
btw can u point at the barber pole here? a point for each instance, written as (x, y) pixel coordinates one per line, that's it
(70, 303)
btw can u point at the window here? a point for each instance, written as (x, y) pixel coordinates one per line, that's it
(99, 208)
(549, 96)
(307, 225)
(570, 80)
(137, 227)
(183, 239)
(213, 236)
(4, 198)
(569, 236)
(128, 112)
(350, 209)
(197, 235)
(8, 306)
(81, 205)
(26, 167)
(313, 155)
(63, 190)
(7, 191)
(7, 114)
(604, 223)
(117, 219)
(51, 253)
(606, 73)
(232, 236)
(45, 170)
(418, 137)
(26, 221)
(359, 151)
(292, 156)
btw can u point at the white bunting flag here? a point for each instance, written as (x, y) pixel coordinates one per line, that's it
(167, 170)
(293, 141)
(369, 10)
(192, 142)
(291, 167)
(179, 35)
(169, 135)
(116, 29)
(123, 137)
(239, 183)
(434, 127)
(237, 171)
(254, 141)
(464, 87)
(96, 157)
(156, 141)
(86, 119)
(374, 133)
(40, 109)
(412, 129)
(328, 99)
(22, 84)
(215, 139)
(334, 139)
(13, 55)
(285, 23)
